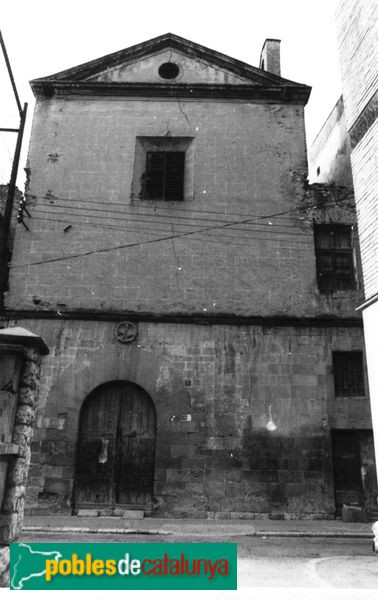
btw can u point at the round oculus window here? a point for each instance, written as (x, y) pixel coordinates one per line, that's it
(168, 70)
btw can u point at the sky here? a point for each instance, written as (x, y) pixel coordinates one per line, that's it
(43, 37)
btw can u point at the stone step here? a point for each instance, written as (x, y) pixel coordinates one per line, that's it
(108, 512)
(133, 514)
(87, 512)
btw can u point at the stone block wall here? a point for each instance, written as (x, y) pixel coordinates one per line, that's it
(223, 463)
(237, 244)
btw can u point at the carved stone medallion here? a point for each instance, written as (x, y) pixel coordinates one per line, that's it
(126, 332)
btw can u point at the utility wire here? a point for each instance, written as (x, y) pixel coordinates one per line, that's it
(220, 240)
(131, 219)
(161, 228)
(177, 208)
(174, 206)
(123, 246)
(170, 237)
(130, 216)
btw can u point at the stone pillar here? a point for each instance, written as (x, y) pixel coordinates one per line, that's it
(20, 359)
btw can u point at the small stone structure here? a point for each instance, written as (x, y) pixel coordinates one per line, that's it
(20, 360)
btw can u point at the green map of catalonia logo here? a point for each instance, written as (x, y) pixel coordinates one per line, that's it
(28, 564)
(120, 566)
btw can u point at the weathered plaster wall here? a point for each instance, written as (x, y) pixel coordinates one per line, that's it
(357, 27)
(365, 174)
(370, 316)
(248, 160)
(357, 30)
(191, 71)
(224, 462)
(329, 155)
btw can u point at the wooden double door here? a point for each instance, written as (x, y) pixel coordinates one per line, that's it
(116, 448)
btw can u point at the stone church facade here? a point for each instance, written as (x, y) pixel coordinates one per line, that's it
(196, 293)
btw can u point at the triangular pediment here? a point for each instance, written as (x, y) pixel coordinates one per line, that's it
(140, 64)
(190, 70)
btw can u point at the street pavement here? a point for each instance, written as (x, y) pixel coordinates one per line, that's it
(271, 554)
(195, 527)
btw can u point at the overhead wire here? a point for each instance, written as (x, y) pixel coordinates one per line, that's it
(164, 227)
(203, 230)
(174, 205)
(149, 231)
(121, 246)
(130, 216)
(220, 240)
(248, 231)
(177, 206)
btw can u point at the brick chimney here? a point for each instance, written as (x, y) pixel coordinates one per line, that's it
(270, 56)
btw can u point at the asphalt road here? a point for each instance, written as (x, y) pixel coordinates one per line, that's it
(273, 561)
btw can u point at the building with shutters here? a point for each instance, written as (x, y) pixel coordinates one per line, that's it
(196, 293)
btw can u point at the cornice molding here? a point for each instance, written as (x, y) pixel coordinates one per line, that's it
(275, 93)
(189, 318)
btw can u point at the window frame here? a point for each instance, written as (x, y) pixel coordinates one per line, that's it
(166, 144)
(159, 179)
(348, 370)
(330, 280)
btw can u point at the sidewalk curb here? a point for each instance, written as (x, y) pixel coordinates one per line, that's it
(118, 531)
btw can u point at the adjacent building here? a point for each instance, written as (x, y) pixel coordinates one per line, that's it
(329, 154)
(345, 150)
(196, 293)
(357, 30)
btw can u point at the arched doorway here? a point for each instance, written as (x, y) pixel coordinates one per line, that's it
(116, 448)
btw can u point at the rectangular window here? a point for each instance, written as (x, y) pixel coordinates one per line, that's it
(348, 374)
(334, 257)
(164, 176)
(163, 169)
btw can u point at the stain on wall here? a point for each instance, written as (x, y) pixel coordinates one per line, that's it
(230, 380)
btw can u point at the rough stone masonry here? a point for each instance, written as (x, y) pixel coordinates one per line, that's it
(20, 360)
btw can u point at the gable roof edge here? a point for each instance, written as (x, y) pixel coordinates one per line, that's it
(85, 70)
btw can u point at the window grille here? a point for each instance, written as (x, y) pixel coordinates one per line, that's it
(164, 176)
(348, 374)
(334, 258)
